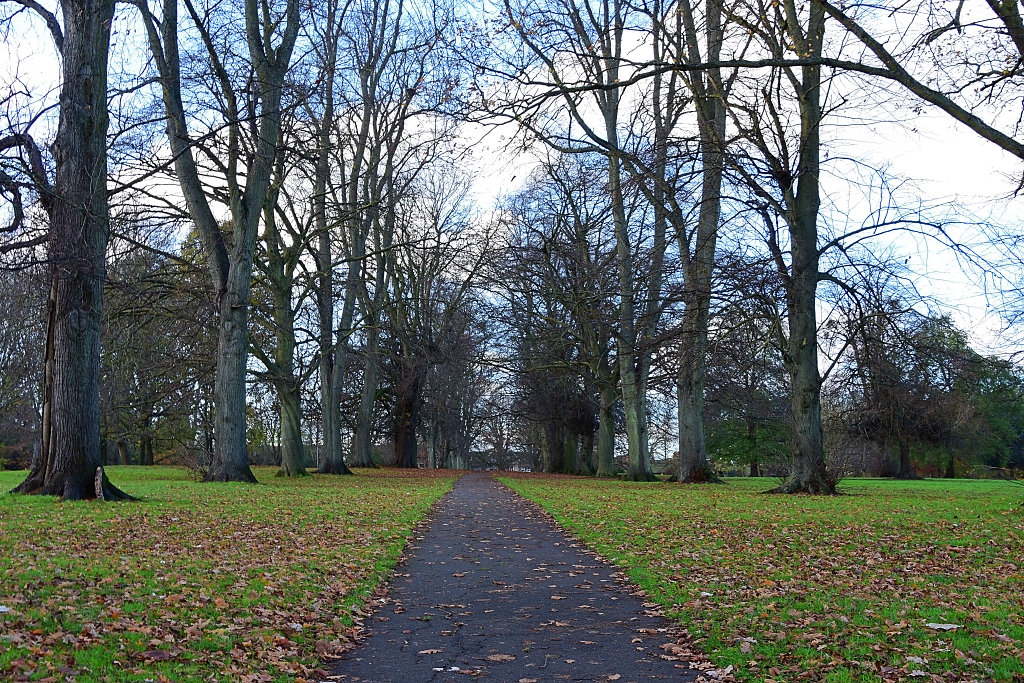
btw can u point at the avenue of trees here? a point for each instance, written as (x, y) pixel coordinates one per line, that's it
(285, 233)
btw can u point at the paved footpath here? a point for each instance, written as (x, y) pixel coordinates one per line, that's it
(493, 589)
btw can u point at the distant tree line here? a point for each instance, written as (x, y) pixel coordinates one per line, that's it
(253, 233)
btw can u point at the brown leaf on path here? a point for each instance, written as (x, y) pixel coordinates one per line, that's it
(500, 658)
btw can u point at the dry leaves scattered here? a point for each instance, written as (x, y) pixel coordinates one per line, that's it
(784, 588)
(232, 582)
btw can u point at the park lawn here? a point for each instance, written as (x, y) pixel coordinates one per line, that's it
(836, 589)
(198, 582)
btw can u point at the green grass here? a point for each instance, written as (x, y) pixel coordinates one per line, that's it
(229, 582)
(835, 589)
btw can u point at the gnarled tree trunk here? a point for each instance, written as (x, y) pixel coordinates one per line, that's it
(70, 464)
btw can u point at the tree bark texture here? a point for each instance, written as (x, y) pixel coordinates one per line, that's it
(694, 464)
(287, 385)
(293, 455)
(606, 432)
(332, 351)
(906, 466)
(78, 213)
(406, 417)
(634, 399)
(808, 474)
(230, 268)
(361, 442)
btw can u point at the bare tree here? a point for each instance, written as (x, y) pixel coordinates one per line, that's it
(76, 206)
(965, 60)
(780, 122)
(270, 34)
(559, 281)
(579, 48)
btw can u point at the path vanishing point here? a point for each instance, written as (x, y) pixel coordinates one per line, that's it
(492, 589)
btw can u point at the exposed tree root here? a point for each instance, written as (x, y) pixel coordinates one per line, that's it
(698, 475)
(286, 472)
(814, 486)
(231, 474)
(330, 466)
(67, 487)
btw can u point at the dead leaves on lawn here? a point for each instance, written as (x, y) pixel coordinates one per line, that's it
(796, 588)
(252, 584)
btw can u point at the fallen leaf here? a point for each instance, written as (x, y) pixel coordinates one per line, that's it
(500, 658)
(157, 655)
(429, 652)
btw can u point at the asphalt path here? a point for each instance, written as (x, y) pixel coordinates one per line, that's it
(493, 589)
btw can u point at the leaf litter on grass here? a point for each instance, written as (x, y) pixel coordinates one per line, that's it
(235, 582)
(837, 589)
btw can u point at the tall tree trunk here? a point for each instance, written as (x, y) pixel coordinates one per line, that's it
(545, 450)
(951, 467)
(230, 270)
(554, 447)
(707, 90)
(230, 461)
(293, 456)
(800, 355)
(406, 414)
(570, 459)
(586, 459)
(906, 466)
(432, 446)
(78, 214)
(332, 351)
(634, 399)
(286, 383)
(694, 464)
(606, 432)
(335, 464)
(361, 445)
(808, 474)
(124, 455)
(146, 449)
(755, 470)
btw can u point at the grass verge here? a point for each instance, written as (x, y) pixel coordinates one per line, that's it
(838, 589)
(198, 581)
